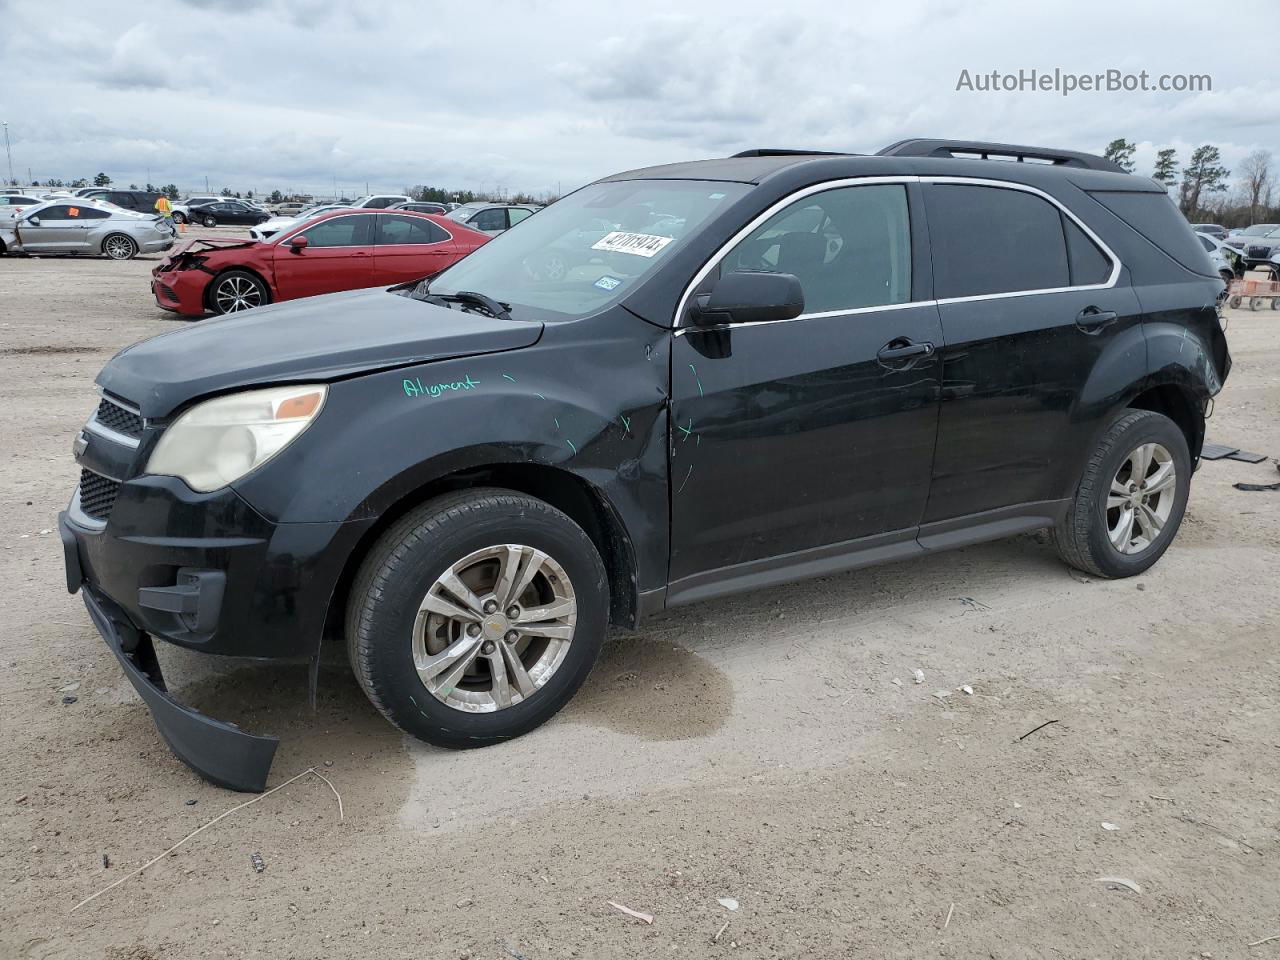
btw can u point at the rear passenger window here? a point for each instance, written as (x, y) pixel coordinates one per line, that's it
(993, 240)
(340, 232)
(393, 229)
(849, 248)
(1089, 265)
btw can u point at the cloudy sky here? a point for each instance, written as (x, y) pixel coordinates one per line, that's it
(538, 95)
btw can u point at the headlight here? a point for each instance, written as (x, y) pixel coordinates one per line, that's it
(217, 442)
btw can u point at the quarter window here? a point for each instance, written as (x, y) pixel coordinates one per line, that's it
(393, 229)
(495, 219)
(515, 215)
(339, 232)
(1089, 265)
(849, 247)
(993, 240)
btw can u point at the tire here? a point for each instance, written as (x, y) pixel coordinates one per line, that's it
(179, 217)
(1234, 303)
(119, 246)
(209, 222)
(1084, 536)
(236, 290)
(385, 629)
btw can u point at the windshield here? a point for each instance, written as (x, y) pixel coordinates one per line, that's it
(1258, 230)
(591, 248)
(461, 213)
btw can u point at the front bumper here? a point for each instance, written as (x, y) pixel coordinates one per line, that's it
(219, 752)
(181, 291)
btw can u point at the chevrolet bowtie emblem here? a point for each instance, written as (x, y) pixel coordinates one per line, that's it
(80, 444)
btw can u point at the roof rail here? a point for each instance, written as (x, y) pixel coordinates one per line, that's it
(978, 149)
(774, 152)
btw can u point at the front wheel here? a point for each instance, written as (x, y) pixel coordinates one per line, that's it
(179, 217)
(237, 290)
(476, 617)
(209, 222)
(1131, 499)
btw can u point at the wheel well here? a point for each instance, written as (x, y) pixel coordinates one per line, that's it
(564, 491)
(208, 290)
(1176, 404)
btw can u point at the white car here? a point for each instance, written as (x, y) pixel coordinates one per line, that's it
(491, 218)
(1221, 256)
(273, 226)
(378, 201)
(12, 204)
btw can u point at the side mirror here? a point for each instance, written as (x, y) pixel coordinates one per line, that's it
(750, 297)
(298, 244)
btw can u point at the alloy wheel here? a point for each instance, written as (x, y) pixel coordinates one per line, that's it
(118, 248)
(236, 293)
(494, 628)
(1142, 495)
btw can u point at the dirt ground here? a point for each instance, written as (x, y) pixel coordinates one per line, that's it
(773, 748)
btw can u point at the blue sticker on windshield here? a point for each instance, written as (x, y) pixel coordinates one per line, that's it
(608, 283)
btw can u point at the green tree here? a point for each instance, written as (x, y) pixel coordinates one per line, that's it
(133, 186)
(102, 180)
(1203, 175)
(277, 196)
(79, 182)
(171, 191)
(1166, 170)
(1120, 152)
(226, 191)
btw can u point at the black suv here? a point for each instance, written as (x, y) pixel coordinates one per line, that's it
(767, 367)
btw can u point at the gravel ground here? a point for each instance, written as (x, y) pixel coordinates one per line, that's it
(773, 749)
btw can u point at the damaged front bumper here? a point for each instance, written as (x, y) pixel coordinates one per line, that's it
(219, 752)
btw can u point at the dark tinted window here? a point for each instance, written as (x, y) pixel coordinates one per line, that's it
(1206, 243)
(1089, 265)
(1155, 217)
(849, 247)
(91, 213)
(339, 232)
(19, 201)
(994, 240)
(380, 203)
(495, 219)
(57, 213)
(393, 229)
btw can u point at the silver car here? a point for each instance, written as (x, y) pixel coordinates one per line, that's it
(491, 218)
(78, 226)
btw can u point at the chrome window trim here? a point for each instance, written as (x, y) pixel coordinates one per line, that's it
(714, 260)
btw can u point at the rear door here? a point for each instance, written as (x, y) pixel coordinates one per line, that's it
(338, 256)
(407, 248)
(1030, 302)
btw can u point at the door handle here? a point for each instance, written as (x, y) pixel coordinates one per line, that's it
(1093, 320)
(903, 349)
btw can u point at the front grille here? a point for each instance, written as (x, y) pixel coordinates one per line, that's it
(1257, 253)
(97, 494)
(115, 417)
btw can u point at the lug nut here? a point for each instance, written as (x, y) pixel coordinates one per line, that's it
(487, 648)
(512, 636)
(512, 612)
(491, 606)
(473, 630)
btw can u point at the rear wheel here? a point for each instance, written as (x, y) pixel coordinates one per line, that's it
(179, 217)
(237, 290)
(209, 222)
(117, 246)
(1131, 499)
(477, 617)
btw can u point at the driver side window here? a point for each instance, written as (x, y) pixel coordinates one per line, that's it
(850, 247)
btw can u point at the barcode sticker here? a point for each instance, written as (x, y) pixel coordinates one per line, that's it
(641, 244)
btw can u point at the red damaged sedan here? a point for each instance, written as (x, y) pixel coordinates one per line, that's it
(341, 250)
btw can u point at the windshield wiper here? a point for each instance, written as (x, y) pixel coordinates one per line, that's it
(491, 306)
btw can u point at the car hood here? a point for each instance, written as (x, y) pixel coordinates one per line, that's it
(314, 339)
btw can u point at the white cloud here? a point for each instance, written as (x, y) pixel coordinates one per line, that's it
(530, 95)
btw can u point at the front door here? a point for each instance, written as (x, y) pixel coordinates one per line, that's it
(1030, 304)
(63, 228)
(338, 256)
(808, 439)
(408, 248)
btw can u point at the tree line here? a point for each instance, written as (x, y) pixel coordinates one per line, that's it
(1204, 190)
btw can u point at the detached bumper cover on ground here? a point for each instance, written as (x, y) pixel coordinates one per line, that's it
(217, 751)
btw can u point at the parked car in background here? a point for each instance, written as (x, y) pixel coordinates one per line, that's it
(181, 207)
(226, 211)
(140, 201)
(491, 218)
(1225, 260)
(378, 201)
(12, 204)
(269, 228)
(1240, 236)
(1258, 250)
(288, 208)
(342, 250)
(81, 225)
(1212, 229)
(421, 206)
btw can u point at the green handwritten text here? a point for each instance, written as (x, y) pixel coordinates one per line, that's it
(414, 388)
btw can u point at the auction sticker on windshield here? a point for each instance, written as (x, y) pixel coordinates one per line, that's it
(641, 244)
